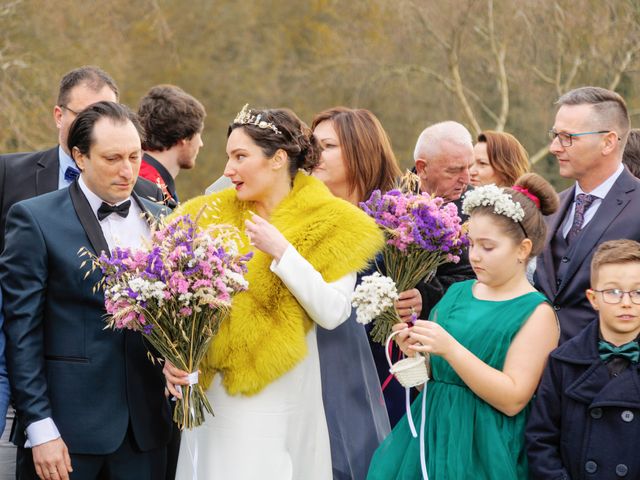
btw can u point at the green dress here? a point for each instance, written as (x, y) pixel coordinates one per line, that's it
(465, 437)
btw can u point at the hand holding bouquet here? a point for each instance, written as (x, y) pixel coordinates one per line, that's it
(175, 292)
(422, 233)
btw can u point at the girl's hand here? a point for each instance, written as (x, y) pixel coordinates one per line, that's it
(265, 237)
(429, 337)
(174, 377)
(402, 339)
(409, 304)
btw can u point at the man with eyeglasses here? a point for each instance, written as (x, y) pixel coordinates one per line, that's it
(588, 139)
(26, 175)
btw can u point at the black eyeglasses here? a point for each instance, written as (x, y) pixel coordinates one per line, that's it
(69, 109)
(566, 139)
(615, 295)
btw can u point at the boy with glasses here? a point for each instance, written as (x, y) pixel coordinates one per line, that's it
(585, 421)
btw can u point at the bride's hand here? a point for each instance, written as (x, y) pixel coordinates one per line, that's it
(266, 237)
(174, 377)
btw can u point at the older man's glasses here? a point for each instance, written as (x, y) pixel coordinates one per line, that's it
(566, 139)
(69, 109)
(615, 295)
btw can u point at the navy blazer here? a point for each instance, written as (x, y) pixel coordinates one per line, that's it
(616, 218)
(584, 424)
(27, 175)
(62, 362)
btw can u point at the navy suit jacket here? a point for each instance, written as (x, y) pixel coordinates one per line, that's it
(62, 362)
(27, 175)
(616, 218)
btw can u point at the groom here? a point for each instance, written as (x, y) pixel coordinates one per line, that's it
(88, 400)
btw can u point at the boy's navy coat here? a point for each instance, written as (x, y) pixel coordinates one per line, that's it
(585, 425)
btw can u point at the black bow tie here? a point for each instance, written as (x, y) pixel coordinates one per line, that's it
(105, 210)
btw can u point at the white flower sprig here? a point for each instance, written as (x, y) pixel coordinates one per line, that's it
(374, 295)
(491, 195)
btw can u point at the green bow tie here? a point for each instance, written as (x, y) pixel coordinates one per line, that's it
(630, 351)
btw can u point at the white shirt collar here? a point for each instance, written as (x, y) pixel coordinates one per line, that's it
(94, 200)
(602, 190)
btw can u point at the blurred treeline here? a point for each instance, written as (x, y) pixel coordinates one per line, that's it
(489, 64)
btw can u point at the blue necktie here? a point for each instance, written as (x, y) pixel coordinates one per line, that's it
(630, 351)
(71, 173)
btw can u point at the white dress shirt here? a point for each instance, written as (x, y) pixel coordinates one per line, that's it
(130, 231)
(600, 192)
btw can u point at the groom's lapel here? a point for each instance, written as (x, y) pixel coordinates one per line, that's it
(88, 219)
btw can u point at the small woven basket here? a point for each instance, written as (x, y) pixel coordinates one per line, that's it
(410, 371)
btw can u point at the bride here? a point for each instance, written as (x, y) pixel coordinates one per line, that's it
(262, 373)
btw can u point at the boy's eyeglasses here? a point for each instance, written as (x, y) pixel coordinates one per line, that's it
(615, 295)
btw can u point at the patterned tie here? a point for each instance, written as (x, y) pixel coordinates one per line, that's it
(71, 173)
(630, 351)
(583, 202)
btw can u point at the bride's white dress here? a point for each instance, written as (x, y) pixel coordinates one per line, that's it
(280, 433)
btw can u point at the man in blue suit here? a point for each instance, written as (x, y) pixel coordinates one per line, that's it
(87, 400)
(588, 139)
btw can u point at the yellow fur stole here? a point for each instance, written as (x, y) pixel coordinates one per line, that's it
(264, 336)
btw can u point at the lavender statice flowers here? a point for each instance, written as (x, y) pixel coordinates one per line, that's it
(175, 291)
(422, 233)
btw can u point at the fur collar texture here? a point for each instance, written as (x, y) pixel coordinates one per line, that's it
(264, 335)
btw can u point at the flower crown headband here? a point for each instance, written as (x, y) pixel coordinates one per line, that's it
(245, 117)
(502, 202)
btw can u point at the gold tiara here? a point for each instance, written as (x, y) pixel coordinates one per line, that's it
(245, 117)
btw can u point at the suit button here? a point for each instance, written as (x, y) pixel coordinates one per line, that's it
(622, 470)
(558, 282)
(590, 466)
(627, 416)
(556, 307)
(565, 259)
(596, 413)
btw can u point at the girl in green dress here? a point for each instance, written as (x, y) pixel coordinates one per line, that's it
(489, 340)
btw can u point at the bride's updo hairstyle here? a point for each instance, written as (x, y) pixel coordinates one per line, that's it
(519, 210)
(280, 129)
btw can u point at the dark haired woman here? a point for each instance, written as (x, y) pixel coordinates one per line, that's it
(262, 373)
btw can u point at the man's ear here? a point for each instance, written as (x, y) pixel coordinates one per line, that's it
(421, 167)
(610, 142)
(78, 157)
(57, 116)
(280, 159)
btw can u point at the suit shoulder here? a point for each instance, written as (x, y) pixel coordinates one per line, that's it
(48, 201)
